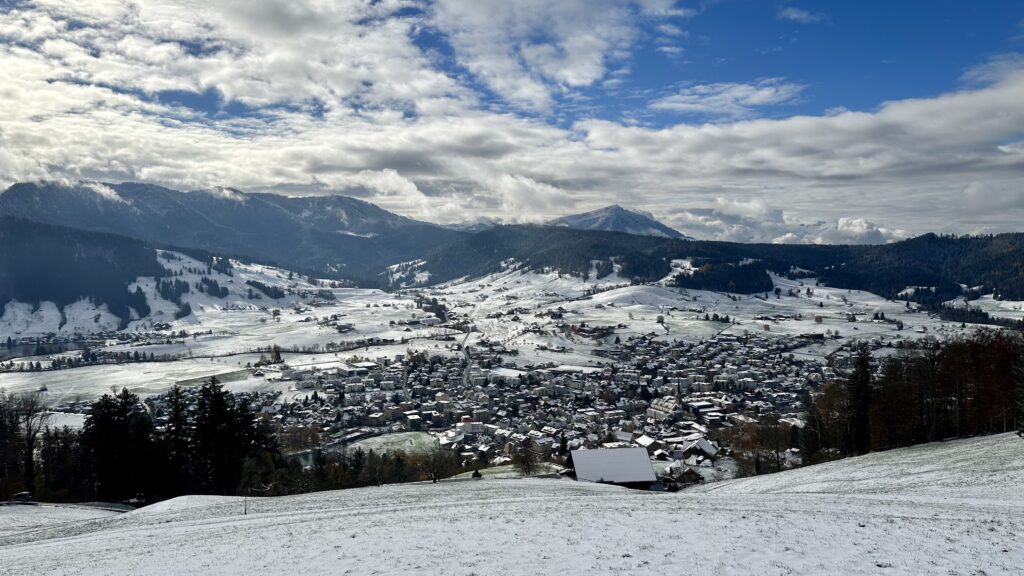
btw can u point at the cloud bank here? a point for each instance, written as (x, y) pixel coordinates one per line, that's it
(449, 111)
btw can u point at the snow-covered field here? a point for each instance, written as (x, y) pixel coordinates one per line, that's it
(408, 442)
(1012, 309)
(23, 520)
(949, 508)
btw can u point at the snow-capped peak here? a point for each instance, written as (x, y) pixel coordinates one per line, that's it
(615, 218)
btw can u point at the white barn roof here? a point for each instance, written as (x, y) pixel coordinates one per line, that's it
(618, 465)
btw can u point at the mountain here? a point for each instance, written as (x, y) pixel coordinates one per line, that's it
(331, 236)
(615, 218)
(40, 263)
(342, 237)
(954, 507)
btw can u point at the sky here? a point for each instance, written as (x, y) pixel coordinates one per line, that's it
(745, 120)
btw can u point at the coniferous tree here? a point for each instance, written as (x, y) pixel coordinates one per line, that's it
(226, 434)
(64, 470)
(118, 435)
(175, 446)
(860, 402)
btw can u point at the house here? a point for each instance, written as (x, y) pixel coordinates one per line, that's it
(700, 447)
(629, 467)
(647, 443)
(681, 473)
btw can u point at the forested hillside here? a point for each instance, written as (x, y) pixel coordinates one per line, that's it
(39, 262)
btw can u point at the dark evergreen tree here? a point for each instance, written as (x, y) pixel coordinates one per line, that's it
(118, 435)
(175, 446)
(64, 467)
(859, 386)
(226, 434)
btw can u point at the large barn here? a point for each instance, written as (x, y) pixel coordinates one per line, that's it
(630, 467)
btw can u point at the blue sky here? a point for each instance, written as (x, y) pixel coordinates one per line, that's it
(788, 121)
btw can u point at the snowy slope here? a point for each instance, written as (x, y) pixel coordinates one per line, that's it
(963, 515)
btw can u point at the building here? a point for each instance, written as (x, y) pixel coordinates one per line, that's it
(629, 467)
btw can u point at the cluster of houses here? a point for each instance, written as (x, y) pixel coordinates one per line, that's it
(669, 399)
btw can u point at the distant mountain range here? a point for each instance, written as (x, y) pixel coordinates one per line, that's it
(63, 242)
(615, 218)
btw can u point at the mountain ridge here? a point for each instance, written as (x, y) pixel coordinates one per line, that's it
(331, 236)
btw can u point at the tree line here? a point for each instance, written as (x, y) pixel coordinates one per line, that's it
(963, 387)
(208, 441)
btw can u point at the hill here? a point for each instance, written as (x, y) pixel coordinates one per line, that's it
(955, 507)
(41, 263)
(331, 236)
(615, 218)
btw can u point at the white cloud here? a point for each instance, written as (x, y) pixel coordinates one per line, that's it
(529, 51)
(756, 221)
(994, 69)
(672, 30)
(729, 100)
(798, 15)
(986, 197)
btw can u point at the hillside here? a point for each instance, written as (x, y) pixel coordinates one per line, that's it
(41, 263)
(952, 508)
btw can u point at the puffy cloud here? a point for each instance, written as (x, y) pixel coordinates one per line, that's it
(729, 100)
(755, 221)
(530, 51)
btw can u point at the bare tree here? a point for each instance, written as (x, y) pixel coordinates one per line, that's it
(32, 417)
(526, 459)
(22, 418)
(438, 464)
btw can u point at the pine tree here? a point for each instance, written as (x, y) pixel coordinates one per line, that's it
(860, 402)
(215, 450)
(118, 440)
(175, 444)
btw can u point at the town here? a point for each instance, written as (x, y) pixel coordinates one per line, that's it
(673, 399)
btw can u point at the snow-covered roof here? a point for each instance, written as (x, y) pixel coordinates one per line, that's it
(617, 465)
